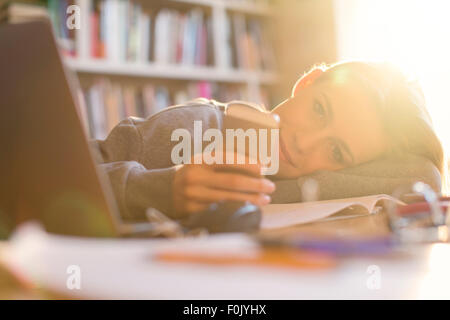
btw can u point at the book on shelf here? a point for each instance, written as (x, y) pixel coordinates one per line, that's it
(125, 31)
(122, 31)
(57, 10)
(119, 31)
(183, 37)
(250, 39)
(107, 102)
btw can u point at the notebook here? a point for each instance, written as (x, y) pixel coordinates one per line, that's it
(285, 215)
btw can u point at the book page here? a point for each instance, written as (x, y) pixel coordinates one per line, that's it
(285, 215)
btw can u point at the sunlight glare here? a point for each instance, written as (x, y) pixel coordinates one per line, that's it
(413, 34)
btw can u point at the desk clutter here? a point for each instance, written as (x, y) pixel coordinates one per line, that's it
(222, 266)
(292, 265)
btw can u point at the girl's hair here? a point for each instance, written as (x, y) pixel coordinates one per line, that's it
(402, 107)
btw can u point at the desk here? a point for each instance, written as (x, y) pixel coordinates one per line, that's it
(410, 278)
(12, 289)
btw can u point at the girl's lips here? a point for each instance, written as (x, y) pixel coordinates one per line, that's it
(284, 153)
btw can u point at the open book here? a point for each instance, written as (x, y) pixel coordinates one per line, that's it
(285, 215)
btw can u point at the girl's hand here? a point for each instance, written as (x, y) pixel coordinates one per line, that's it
(196, 186)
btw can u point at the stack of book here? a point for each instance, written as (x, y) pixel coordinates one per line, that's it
(183, 37)
(57, 10)
(122, 31)
(115, 29)
(119, 31)
(250, 39)
(107, 102)
(18, 12)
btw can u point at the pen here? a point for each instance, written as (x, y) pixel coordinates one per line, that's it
(269, 257)
(379, 245)
(432, 199)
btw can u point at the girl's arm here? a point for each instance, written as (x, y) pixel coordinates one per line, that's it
(135, 187)
(137, 158)
(376, 177)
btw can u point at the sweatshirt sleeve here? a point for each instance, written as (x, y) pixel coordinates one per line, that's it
(135, 188)
(136, 156)
(381, 176)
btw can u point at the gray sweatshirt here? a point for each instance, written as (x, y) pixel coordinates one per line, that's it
(136, 157)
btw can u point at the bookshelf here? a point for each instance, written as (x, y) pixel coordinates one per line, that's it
(165, 51)
(222, 67)
(245, 6)
(219, 9)
(153, 70)
(220, 71)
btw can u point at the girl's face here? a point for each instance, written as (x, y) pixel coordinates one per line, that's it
(328, 126)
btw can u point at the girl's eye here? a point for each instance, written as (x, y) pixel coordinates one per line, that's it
(319, 109)
(337, 153)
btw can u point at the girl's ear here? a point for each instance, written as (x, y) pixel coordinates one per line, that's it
(306, 80)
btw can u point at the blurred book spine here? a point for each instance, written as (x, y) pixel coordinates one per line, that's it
(107, 102)
(57, 10)
(183, 37)
(155, 34)
(250, 39)
(121, 31)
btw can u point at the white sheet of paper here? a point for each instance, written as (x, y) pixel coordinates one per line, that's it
(284, 215)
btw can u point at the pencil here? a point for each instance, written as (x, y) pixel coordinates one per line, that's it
(280, 258)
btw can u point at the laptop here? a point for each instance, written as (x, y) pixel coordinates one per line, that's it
(47, 170)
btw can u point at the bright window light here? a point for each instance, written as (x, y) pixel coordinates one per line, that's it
(413, 34)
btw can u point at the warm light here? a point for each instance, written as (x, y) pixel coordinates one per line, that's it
(413, 34)
(434, 284)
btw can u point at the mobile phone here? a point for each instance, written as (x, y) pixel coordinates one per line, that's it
(246, 116)
(262, 141)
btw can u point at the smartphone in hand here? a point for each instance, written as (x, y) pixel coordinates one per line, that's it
(253, 132)
(245, 116)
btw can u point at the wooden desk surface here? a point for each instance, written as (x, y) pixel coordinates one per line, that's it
(10, 287)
